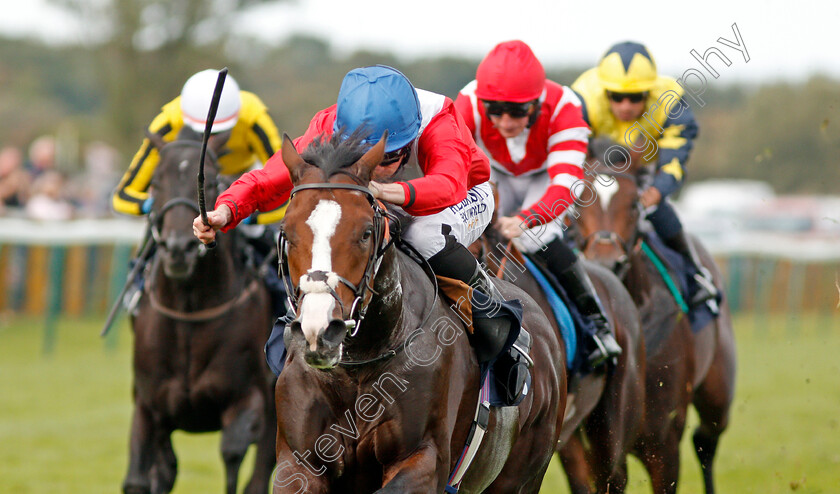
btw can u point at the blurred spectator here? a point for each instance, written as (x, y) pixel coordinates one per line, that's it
(14, 180)
(41, 155)
(48, 201)
(92, 188)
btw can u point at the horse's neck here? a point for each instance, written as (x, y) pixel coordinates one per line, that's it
(391, 311)
(638, 278)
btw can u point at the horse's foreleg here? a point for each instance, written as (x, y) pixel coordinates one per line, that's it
(241, 425)
(663, 464)
(165, 468)
(573, 457)
(140, 453)
(419, 473)
(712, 400)
(264, 463)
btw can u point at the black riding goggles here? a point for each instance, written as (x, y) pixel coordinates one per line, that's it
(633, 97)
(515, 110)
(392, 157)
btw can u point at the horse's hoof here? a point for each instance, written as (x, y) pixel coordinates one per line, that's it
(136, 489)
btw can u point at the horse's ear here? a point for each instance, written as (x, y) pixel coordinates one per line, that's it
(292, 159)
(217, 142)
(371, 159)
(155, 139)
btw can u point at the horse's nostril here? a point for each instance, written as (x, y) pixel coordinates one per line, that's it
(296, 327)
(334, 334)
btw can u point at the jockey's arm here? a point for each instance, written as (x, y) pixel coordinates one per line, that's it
(131, 195)
(674, 145)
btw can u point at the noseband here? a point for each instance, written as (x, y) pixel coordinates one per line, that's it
(319, 281)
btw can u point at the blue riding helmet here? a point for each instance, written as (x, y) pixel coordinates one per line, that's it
(379, 98)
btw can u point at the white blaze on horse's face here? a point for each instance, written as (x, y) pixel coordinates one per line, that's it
(605, 192)
(317, 304)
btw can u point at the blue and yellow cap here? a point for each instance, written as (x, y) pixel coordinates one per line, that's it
(627, 68)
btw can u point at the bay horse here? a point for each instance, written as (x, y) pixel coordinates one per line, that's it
(603, 410)
(199, 331)
(380, 385)
(683, 366)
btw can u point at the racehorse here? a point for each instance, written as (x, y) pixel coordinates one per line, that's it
(380, 385)
(683, 366)
(603, 410)
(199, 332)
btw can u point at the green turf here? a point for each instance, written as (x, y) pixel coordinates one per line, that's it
(64, 417)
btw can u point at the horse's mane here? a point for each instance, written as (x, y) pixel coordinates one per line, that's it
(334, 154)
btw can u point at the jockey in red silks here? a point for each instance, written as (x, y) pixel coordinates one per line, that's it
(452, 202)
(534, 133)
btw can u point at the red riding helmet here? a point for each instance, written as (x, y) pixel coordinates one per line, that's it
(510, 72)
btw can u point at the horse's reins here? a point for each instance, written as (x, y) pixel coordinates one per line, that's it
(399, 348)
(206, 314)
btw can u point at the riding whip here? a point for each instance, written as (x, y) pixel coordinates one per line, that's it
(208, 126)
(144, 250)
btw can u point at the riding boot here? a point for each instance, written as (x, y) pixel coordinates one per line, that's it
(490, 334)
(706, 289)
(576, 281)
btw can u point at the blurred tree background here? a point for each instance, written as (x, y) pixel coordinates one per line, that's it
(138, 53)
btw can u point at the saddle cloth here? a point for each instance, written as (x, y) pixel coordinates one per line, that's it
(681, 274)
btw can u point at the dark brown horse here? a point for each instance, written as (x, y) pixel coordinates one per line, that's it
(384, 403)
(683, 366)
(198, 337)
(602, 410)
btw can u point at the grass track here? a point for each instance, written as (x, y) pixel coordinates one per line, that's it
(64, 417)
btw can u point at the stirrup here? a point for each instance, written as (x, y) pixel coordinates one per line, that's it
(606, 350)
(512, 374)
(706, 288)
(132, 299)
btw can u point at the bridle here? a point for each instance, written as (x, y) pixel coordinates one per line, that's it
(155, 225)
(320, 281)
(622, 264)
(156, 218)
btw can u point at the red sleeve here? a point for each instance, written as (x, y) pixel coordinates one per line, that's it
(444, 156)
(269, 187)
(464, 106)
(568, 138)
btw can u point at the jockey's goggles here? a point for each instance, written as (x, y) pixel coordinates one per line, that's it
(394, 156)
(633, 97)
(515, 110)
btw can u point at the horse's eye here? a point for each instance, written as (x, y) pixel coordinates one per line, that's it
(366, 236)
(290, 241)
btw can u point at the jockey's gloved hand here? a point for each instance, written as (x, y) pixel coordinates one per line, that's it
(146, 207)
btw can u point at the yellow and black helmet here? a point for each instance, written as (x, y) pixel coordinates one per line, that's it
(627, 68)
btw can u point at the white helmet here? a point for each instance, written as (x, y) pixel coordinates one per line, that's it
(196, 96)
